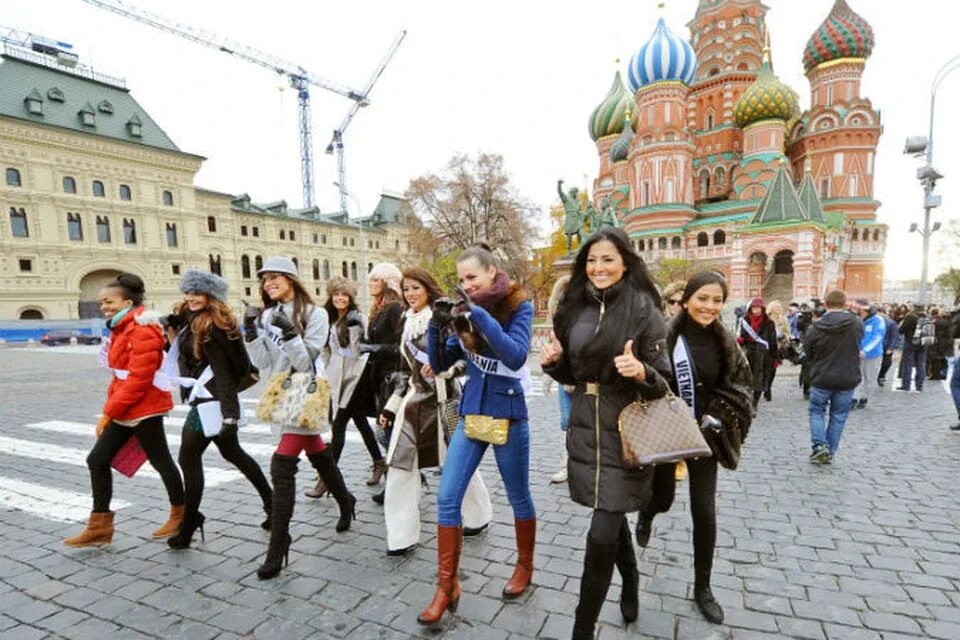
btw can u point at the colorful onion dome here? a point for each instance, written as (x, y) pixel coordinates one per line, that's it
(621, 148)
(607, 118)
(844, 34)
(766, 99)
(664, 57)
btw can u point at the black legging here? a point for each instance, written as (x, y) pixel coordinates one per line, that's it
(152, 439)
(192, 445)
(339, 429)
(703, 507)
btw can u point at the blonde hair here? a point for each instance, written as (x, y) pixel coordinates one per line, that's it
(389, 275)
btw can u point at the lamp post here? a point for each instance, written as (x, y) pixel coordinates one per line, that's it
(364, 294)
(927, 175)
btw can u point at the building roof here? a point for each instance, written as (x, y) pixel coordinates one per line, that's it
(781, 203)
(388, 210)
(65, 97)
(607, 119)
(843, 34)
(810, 200)
(664, 57)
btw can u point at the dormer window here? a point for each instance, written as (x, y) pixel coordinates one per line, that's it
(105, 107)
(135, 127)
(87, 116)
(34, 103)
(55, 95)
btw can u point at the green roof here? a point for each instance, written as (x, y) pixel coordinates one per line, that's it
(835, 219)
(705, 222)
(781, 203)
(65, 95)
(810, 200)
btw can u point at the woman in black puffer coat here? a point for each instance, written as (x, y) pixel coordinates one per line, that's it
(609, 344)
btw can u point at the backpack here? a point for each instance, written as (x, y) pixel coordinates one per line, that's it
(925, 334)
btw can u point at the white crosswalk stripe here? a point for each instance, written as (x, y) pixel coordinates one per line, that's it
(47, 502)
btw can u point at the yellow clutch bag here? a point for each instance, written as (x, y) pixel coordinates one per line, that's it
(486, 429)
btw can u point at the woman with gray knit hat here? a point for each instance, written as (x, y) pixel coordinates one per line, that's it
(288, 334)
(213, 368)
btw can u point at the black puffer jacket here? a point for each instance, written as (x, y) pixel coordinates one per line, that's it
(832, 346)
(596, 475)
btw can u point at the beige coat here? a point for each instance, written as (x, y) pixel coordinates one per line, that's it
(344, 365)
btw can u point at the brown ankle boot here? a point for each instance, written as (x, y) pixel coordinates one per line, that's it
(379, 468)
(99, 531)
(447, 596)
(318, 491)
(526, 532)
(172, 525)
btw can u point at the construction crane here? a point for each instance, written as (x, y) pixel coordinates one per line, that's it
(336, 141)
(299, 78)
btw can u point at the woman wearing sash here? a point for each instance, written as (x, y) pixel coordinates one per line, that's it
(418, 439)
(134, 408)
(610, 343)
(719, 393)
(758, 335)
(210, 353)
(288, 334)
(493, 321)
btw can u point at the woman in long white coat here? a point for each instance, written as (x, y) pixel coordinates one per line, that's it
(418, 440)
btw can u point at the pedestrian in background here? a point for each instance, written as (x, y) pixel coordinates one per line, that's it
(288, 334)
(871, 350)
(782, 326)
(563, 390)
(832, 345)
(610, 342)
(210, 339)
(721, 398)
(135, 407)
(671, 307)
(914, 350)
(891, 341)
(942, 349)
(758, 335)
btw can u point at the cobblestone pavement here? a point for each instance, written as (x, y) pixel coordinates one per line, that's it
(866, 548)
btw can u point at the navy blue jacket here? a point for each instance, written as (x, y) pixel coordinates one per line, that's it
(484, 394)
(892, 335)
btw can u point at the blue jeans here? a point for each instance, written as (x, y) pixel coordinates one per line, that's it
(914, 356)
(565, 400)
(463, 458)
(840, 403)
(955, 385)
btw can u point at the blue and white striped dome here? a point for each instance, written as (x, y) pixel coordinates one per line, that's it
(664, 57)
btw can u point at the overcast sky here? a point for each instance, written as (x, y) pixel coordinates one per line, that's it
(514, 78)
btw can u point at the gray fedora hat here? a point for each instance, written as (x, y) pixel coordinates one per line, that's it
(279, 264)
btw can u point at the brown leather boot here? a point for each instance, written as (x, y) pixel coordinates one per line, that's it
(526, 532)
(447, 596)
(379, 468)
(319, 490)
(172, 525)
(99, 531)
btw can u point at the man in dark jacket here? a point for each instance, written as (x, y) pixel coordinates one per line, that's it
(832, 347)
(891, 337)
(914, 351)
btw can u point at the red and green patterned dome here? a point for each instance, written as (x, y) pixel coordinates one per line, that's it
(607, 118)
(844, 34)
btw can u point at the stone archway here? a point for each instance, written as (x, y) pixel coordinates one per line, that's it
(779, 284)
(89, 306)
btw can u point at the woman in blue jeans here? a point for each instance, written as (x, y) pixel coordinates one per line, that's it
(493, 322)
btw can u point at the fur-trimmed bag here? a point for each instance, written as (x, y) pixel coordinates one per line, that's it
(293, 399)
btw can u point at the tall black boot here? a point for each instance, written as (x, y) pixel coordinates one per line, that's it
(283, 471)
(703, 596)
(629, 575)
(329, 472)
(598, 562)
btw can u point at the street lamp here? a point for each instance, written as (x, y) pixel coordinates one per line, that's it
(927, 175)
(363, 242)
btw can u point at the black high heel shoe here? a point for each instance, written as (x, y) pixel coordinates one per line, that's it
(274, 562)
(184, 537)
(347, 515)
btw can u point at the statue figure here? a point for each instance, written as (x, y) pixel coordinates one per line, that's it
(591, 219)
(608, 214)
(573, 219)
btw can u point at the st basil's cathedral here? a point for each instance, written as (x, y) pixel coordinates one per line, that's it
(706, 156)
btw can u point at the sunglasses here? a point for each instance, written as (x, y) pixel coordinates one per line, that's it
(673, 303)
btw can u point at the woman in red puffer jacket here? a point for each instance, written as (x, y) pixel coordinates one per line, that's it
(135, 407)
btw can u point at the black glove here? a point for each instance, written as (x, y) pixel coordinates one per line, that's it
(464, 298)
(369, 348)
(354, 319)
(443, 311)
(250, 315)
(287, 329)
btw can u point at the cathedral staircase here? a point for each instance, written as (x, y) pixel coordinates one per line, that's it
(779, 286)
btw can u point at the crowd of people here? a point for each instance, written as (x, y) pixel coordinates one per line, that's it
(432, 380)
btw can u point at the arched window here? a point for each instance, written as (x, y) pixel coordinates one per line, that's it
(215, 264)
(245, 266)
(703, 239)
(103, 229)
(125, 193)
(661, 243)
(211, 224)
(344, 269)
(129, 231)
(639, 246)
(74, 227)
(31, 314)
(856, 235)
(718, 177)
(18, 223)
(69, 185)
(258, 263)
(704, 183)
(876, 235)
(316, 269)
(13, 177)
(326, 269)
(353, 270)
(172, 235)
(97, 188)
(675, 242)
(283, 234)
(719, 237)
(296, 263)
(167, 198)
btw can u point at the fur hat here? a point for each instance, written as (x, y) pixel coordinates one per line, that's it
(279, 264)
(387, 273)
(209, 284)
(338, 284)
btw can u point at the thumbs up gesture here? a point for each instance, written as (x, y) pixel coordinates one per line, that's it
(627, 364)
(551, 352)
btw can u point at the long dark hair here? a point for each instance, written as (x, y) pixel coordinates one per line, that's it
(333, 314)
(701, 280)
(428, 282)
(636, 278)
(302, 301)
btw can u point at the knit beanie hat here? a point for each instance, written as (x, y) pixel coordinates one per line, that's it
(389, 274)
(209, 284)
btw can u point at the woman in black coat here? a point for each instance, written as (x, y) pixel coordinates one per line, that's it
(610, 344)
(758, 335)
(719, 393)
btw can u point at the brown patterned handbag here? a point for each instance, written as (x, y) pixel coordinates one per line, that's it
(659, 431)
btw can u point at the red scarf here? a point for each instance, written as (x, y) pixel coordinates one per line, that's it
(756, 321)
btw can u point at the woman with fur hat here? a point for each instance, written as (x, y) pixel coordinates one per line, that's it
(419, 440)
(493, 322)
(136, 403)
(289, 333)
(345, 365)
(209, 344)
(757, 333)
(382, 343)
